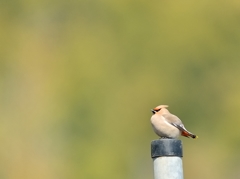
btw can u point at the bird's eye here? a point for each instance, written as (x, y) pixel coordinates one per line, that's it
(158, 110)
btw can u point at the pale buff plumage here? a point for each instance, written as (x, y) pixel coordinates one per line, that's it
(167, 125)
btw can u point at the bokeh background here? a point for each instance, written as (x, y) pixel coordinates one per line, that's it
(78, 80)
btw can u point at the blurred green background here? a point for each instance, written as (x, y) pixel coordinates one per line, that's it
(78, 80)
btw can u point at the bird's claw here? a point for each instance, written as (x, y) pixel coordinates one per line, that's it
(165, 138)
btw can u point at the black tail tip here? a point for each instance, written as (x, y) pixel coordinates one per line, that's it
(194, 136)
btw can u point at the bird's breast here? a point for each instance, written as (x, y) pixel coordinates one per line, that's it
(163, 128)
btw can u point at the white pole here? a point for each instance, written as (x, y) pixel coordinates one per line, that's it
(167, 158)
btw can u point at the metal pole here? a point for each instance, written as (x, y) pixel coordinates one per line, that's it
(167, 158)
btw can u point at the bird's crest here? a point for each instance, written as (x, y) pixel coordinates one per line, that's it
(160, 107)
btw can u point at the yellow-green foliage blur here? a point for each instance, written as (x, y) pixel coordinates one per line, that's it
(78, 80)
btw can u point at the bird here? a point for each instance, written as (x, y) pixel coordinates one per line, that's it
(167, 125)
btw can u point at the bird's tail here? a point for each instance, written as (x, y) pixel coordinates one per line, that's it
(184, 131)
(188, 134)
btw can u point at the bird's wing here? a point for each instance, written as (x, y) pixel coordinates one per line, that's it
(172, 119)
(180, 127)
(175, 121)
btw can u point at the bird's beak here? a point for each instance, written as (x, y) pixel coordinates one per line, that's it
(153, 111)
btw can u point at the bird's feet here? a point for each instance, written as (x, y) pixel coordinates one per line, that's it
(165, 138)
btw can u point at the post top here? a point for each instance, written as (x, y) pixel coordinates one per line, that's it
(166, 147)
